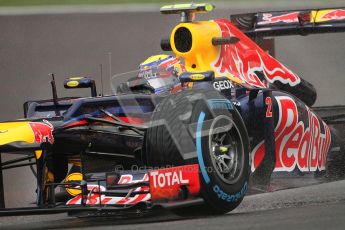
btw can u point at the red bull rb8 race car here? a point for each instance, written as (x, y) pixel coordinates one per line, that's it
(193, 132)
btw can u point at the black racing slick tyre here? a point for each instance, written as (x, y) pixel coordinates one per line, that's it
(203, 127)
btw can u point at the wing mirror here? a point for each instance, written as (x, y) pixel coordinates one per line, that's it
(81, 82)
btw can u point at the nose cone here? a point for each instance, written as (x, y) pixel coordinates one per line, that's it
(23, 135)
(16, 132)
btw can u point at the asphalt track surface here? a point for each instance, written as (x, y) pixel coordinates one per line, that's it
(31, 46)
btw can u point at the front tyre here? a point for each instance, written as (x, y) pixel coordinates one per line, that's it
(202, 127)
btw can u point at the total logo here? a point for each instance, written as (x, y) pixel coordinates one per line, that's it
(222, 85)
(165, 179)
(165, 184)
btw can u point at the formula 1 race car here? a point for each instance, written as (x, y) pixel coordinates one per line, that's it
(190, 132)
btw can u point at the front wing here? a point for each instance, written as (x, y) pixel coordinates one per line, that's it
(122, 193)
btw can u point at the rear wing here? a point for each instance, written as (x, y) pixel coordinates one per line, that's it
(262, 27)
(292, 22)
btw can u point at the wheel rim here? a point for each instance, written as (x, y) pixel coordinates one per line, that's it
(226, 149)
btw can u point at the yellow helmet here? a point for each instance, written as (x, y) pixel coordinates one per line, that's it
(163, 62)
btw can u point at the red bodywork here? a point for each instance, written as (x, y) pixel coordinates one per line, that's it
(166, 183)
(269, 18)
(245, 59)
(43, 131)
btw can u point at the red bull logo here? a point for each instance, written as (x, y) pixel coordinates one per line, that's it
(334, 15)
(268, 18)
(248, 62)
(302, 145)
(43, 131)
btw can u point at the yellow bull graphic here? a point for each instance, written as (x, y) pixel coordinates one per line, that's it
(26, 131)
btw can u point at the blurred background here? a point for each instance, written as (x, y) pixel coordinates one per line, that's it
(73, 37)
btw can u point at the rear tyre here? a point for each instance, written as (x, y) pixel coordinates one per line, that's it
(199, 126)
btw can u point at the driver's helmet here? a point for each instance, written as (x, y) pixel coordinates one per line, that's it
(161, 72)
(162, 62)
